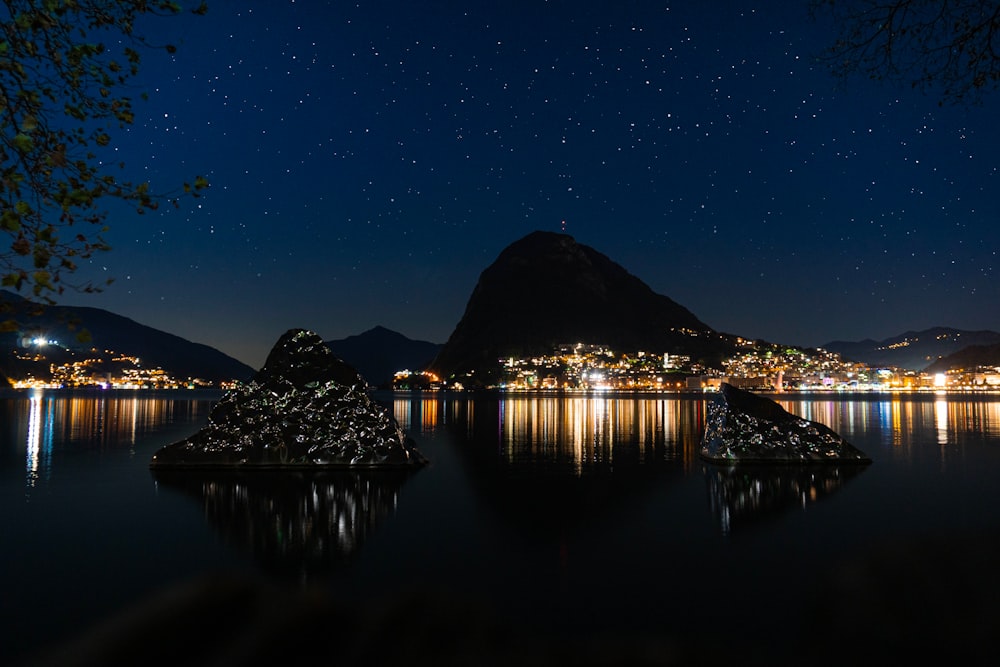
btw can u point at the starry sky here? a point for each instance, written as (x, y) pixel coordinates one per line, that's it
(368, 160)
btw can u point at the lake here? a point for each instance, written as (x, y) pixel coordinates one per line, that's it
(571, 527)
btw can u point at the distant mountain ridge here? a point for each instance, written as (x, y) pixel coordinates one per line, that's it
(542, 290)
(180, 357)
(969, 357)
(547, 289)
(914, 350)
(379, 352)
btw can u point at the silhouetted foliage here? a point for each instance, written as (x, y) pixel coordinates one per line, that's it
(65, 67)
(948, 47)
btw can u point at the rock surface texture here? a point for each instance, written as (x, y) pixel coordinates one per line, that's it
(746, 428)
(304, 408)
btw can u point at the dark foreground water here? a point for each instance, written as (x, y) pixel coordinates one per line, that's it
(544, 530)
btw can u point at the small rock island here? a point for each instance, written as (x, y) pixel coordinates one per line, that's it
(746, 428)
(305, 408)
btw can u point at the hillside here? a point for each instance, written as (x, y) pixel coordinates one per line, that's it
(548, 289)
(914, 350)
(379, 352)
(970, 357)
(108, 331)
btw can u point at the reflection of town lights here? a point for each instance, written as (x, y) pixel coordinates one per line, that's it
(34, 436)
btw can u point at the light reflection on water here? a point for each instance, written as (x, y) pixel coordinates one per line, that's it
(613, 529)
(589, 434)
(294, 523)
(601, 436)
(569, 431)
(902, 421)
(39, 447)
(588, 430)
(572, 432)
(742, 496)
(51, 421)
(579, 435)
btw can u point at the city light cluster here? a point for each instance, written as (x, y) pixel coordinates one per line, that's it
(596, 367)
(758, 366)
(104, 369)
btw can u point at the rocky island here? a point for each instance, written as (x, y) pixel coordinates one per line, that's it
(747, 428)
(305, 408)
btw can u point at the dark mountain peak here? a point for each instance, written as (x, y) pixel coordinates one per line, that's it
(557, 261)
(546, 289)
(379, 352)
(541, 242)
(381, 334)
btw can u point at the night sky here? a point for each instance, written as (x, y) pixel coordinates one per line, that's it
(368, 161)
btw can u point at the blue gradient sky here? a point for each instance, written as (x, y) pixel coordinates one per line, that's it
(368, 162)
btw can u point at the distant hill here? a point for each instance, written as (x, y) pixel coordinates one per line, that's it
(379, 352)
(915, 350)
(547, 289)
(968, 357)
(180, 357)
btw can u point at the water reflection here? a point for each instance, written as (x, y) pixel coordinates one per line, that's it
(941, 420)
(567, 461)
(47, 423)
(572, 434)
(39, 447)
(552, 467)
(418, 412)
(293, 523)
(745, 495)
(903, 420)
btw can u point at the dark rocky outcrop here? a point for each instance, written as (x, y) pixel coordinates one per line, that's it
(305, 407)
(546, 289)
(747, 428)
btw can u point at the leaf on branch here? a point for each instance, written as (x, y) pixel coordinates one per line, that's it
(21, 246)
(42, 255)
(23, 143)
(13, 280)
(42, 280)
(62, 91)
(10, 221)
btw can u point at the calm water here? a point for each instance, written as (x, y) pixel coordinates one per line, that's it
(562, 520)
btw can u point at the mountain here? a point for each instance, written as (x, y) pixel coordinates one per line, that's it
(379, 352)
(108, 331)
(968, 357)
(547, 289)
(915, 350)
